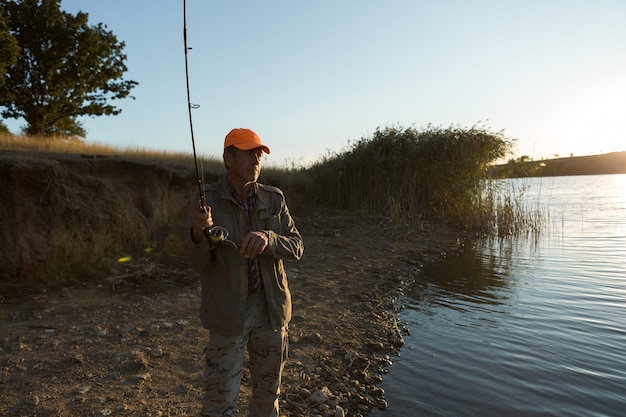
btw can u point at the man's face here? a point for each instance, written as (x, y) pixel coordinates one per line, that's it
(244, 166)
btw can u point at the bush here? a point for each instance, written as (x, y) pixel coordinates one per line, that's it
(436, 173)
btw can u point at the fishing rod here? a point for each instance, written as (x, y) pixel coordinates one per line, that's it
(191, 107)
(216, 234)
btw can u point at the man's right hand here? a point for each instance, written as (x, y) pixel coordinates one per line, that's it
(199, 221)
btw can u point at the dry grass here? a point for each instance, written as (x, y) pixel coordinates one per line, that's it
(93, 204)
(75, 145)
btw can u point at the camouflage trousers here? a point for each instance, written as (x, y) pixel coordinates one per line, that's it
(224, 361)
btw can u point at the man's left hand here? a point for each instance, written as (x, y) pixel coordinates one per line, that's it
(253, 244)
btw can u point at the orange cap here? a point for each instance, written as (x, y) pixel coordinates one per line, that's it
(244, 139)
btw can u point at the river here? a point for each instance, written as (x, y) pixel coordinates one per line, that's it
(528, 326)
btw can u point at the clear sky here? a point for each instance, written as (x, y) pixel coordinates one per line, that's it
(312, 76)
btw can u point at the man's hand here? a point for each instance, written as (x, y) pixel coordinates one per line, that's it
(253, 244)
(200, 221)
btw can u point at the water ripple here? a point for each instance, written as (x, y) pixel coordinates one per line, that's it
(523, 328)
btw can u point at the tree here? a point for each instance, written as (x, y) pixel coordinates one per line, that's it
(65, 69)
(8, 55)
(8, 46)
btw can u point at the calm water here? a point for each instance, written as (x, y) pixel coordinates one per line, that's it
(526, 327)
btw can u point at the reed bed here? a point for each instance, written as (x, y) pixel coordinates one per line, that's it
(436, 174)
(405, 174)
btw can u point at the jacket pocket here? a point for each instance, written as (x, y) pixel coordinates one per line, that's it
(273, 223)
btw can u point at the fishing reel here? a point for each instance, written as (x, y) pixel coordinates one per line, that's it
(218, 235)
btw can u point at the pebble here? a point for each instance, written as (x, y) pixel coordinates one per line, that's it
(18, 346)
(318, 397)
(143, 376)
(382, 404)
(100, 331)
(83, 389)
(323, 408)
(315, 337)
(364, 408)
(32, 400)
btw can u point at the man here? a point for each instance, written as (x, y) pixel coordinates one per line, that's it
(245, 301)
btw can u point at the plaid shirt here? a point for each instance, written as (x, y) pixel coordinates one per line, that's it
(255, 283)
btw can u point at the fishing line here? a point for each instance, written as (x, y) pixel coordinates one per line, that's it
(216, 234)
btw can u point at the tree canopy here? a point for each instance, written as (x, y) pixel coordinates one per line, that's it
(65, 68)
(8, 46)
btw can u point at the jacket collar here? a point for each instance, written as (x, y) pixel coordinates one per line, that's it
(225, 193)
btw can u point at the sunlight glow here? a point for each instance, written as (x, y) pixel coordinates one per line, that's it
(600, 124)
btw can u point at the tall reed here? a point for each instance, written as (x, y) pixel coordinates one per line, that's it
(404, 173)
(435, 173)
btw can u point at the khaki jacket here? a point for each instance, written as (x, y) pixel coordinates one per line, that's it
(225, 278)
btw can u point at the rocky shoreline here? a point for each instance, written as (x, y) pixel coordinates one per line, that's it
(365, 268)
(132, 346)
